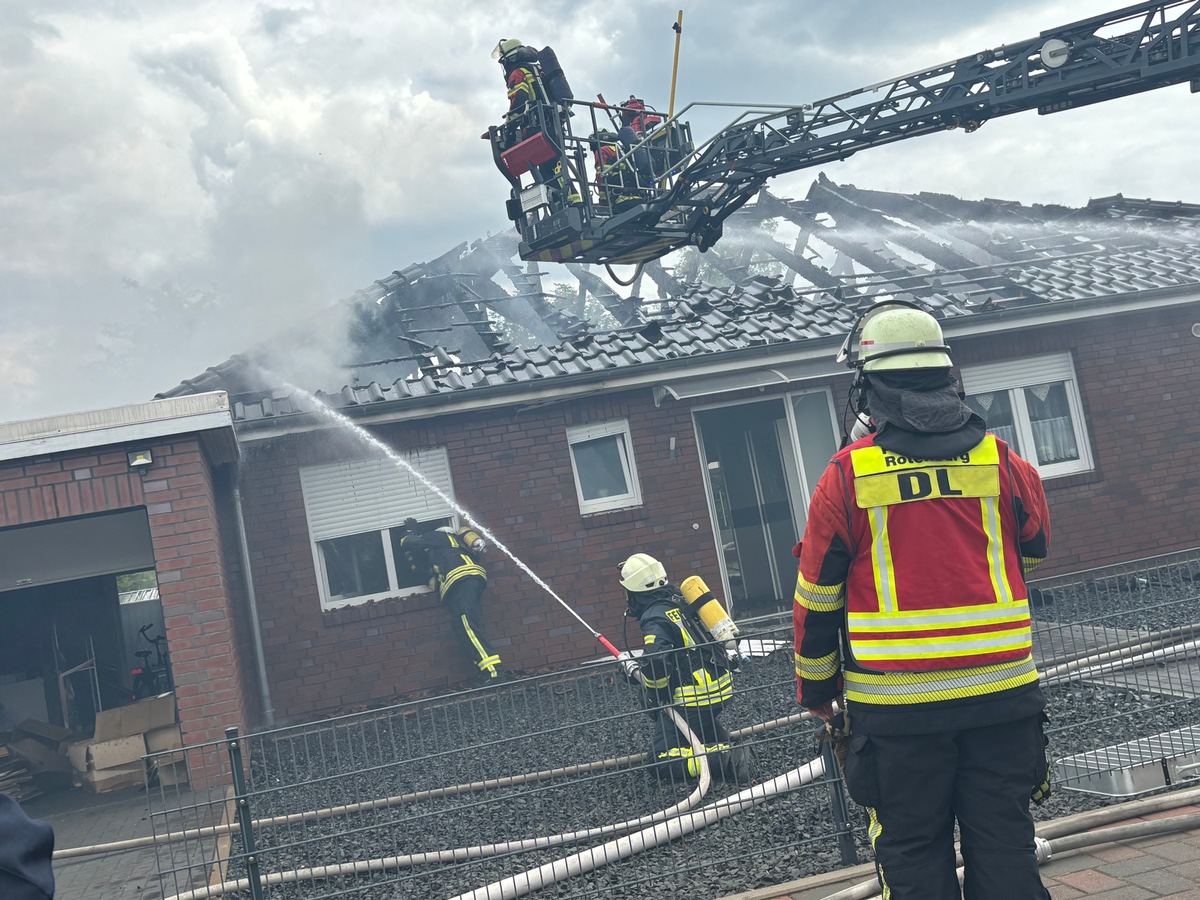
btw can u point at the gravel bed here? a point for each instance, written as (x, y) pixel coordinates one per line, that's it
(553, 721)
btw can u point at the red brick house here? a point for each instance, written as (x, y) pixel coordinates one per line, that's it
(688, 418)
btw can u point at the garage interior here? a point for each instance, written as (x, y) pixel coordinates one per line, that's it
(69, 645)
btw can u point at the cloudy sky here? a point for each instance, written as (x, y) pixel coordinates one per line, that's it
(179, 180)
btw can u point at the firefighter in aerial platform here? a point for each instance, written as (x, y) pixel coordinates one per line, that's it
(687, 664)
(911, 611)
(455, 569)
(528, 81)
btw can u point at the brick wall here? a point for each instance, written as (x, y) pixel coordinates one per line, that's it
(1139, 377)
(177, 493)
(513, 472)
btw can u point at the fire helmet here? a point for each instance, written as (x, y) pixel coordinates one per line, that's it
(901, 337)
(472, 539)
(642, 572)
(505, 47)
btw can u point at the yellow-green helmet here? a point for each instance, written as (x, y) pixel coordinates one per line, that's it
(900, 337)
(505, 47)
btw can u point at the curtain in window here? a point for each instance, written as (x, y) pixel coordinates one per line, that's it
(1050, 419)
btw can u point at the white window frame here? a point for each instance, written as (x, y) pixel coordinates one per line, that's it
(577, 434)
(1013, 376)
(374, 496)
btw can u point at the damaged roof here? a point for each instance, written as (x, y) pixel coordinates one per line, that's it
(786, 272)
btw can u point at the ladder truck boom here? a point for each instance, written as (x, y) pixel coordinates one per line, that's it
(675, 194)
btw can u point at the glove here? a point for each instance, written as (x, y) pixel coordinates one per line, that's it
(629, 665)
(734, 657)
(411, 525)
(824, 712)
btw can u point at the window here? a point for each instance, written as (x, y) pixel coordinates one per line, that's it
(1033, 404)
(356, 511)
(605, 474)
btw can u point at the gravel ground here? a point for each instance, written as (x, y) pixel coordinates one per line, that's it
(561, 720)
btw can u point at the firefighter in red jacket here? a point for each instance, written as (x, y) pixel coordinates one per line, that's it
(911, 611)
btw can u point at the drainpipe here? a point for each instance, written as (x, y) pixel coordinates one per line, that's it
(264, 689)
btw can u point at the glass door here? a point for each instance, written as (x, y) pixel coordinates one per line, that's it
(760, 459)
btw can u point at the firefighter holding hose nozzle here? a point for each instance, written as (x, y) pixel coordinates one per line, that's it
(911, 612)
(688, 663)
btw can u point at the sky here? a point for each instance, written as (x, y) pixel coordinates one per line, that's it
(179, 181)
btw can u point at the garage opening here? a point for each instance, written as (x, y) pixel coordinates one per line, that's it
(68, 644)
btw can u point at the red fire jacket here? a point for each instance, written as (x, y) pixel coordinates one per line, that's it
(918, 567)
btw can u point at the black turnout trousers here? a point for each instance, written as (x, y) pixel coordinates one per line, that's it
(914, 788)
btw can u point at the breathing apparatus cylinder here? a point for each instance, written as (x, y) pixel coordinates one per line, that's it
(703, 604)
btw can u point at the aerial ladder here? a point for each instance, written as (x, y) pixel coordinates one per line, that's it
(660, 192)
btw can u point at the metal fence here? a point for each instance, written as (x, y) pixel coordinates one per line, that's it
(546, 785)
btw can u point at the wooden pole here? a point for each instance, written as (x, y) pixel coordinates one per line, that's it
(678, 26)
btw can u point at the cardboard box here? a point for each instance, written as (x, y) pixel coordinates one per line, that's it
(39, 757)
(100, 781)
(161, 740)
(135, 718)
(87, 756)
(51, 736)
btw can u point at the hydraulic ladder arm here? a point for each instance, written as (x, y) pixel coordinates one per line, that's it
(1128, 51)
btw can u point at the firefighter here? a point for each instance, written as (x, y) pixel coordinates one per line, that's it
(911, 612)
(635, 121)
(616, 182)
(460, 579)
(684, 668)
(526, 92)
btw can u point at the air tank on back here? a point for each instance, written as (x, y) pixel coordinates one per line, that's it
(553, 77)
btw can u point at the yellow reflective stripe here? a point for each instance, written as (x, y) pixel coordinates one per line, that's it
(872, 460)
(455, 574)
(658, 683)
(817, 669)
(939, 647)
(649, 639)
(676, 753)
(874, 830)
(820, 597)
(881, 555)
(897, 688)
(995, 551)
(486, 661)
(990, 614)
(707, 692)
(1029, 563)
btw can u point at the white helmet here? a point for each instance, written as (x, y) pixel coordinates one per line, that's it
(901, 337)
(642, 572)
(446, 529)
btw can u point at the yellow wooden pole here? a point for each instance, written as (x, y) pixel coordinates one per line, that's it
(678, 26)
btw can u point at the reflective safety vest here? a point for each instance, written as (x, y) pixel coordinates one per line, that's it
(975, 613)
(680, 661)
